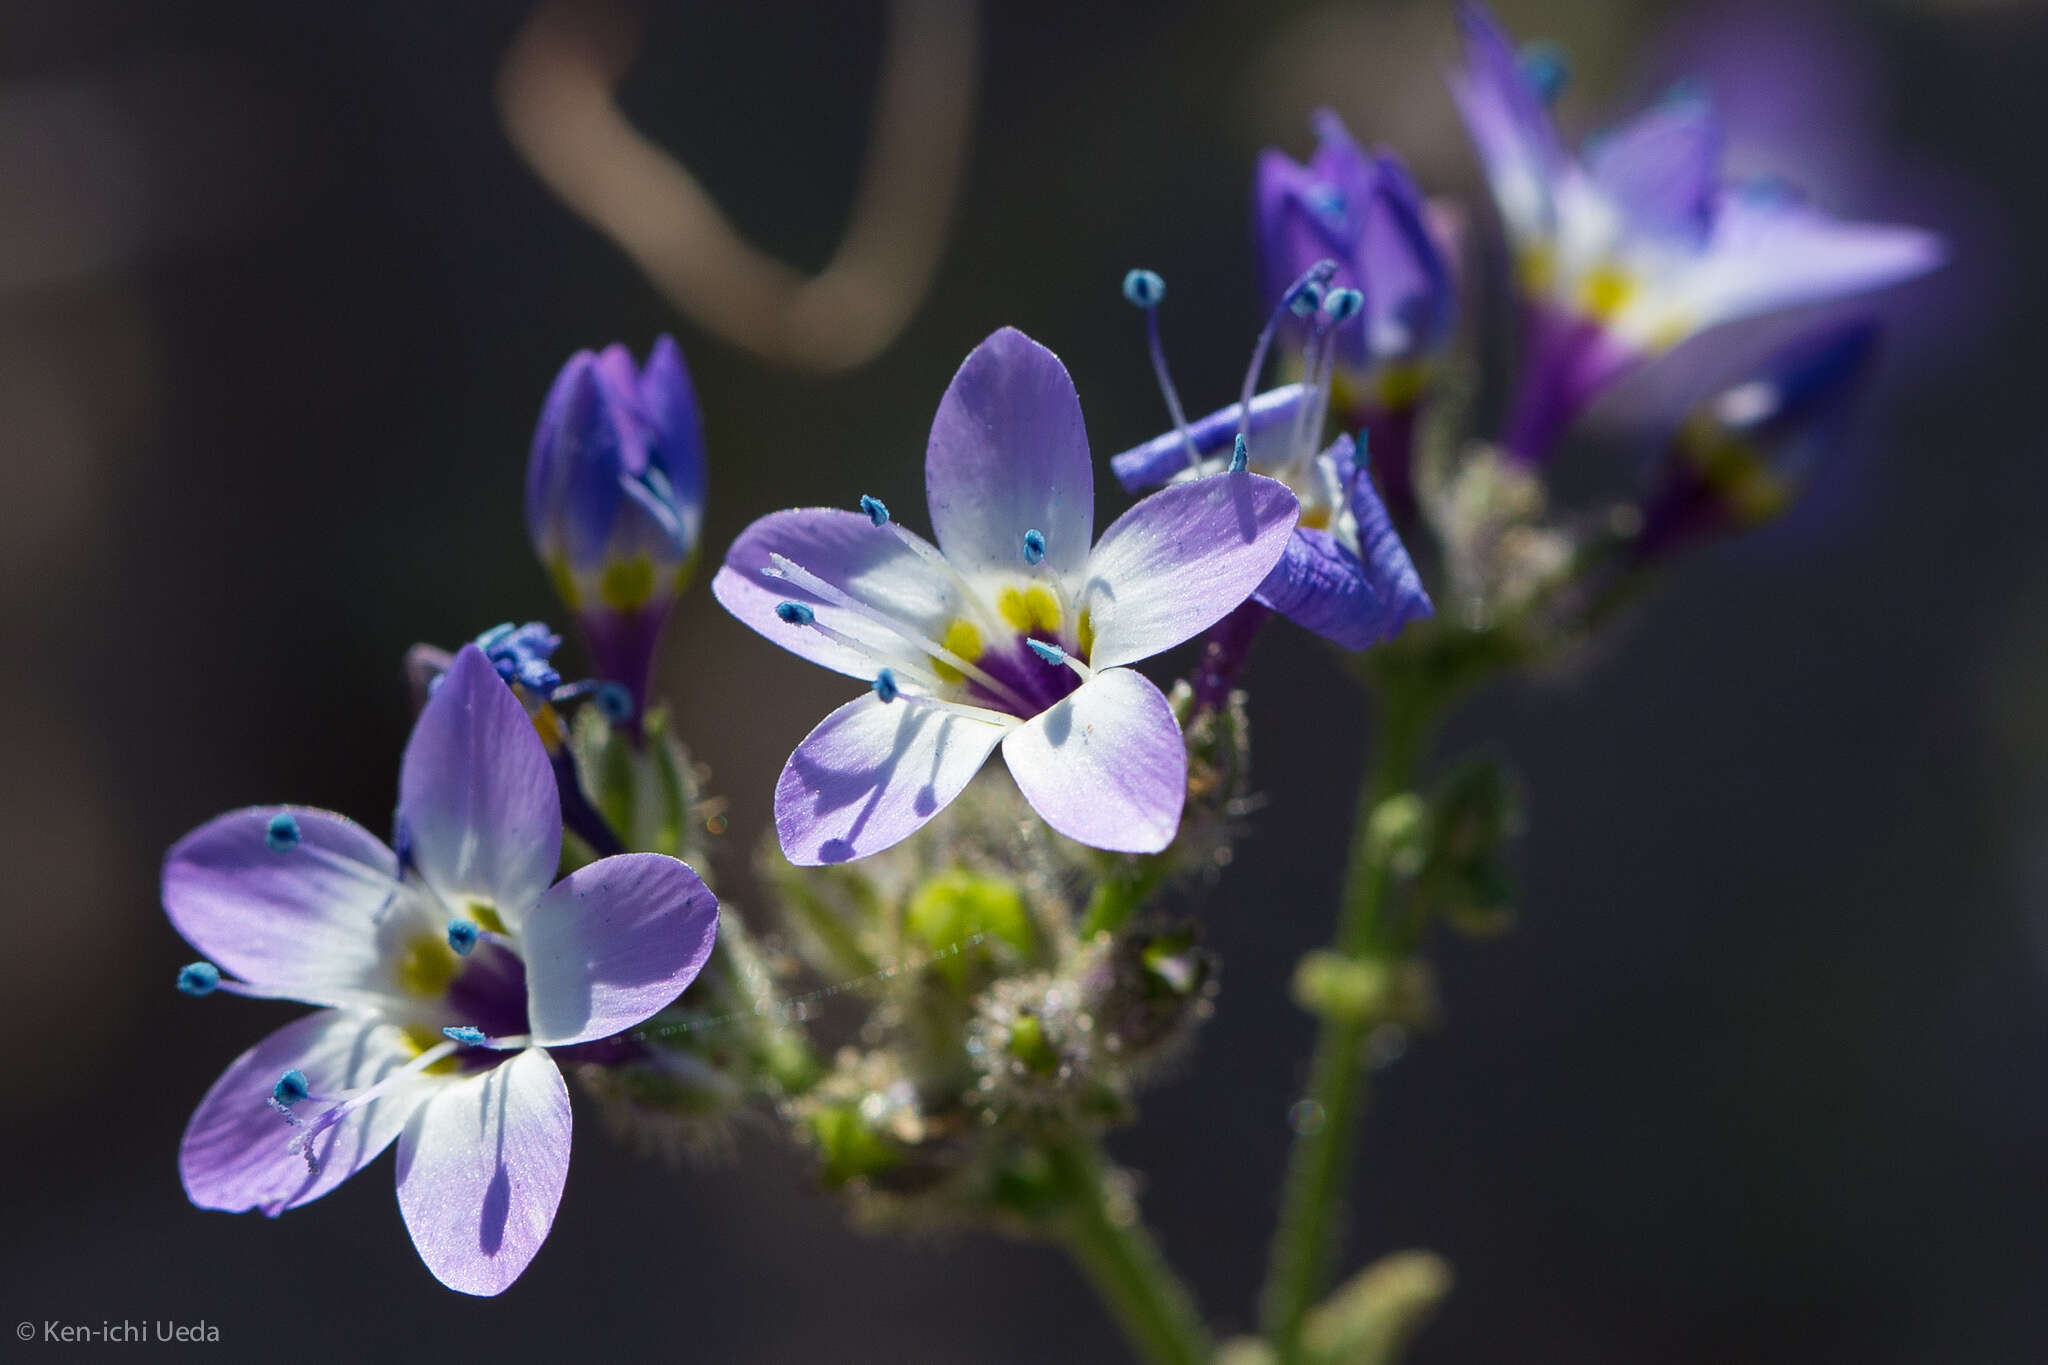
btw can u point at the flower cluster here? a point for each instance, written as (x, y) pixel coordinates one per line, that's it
(1008, 932)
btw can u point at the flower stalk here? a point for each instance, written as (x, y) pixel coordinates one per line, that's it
(1123, 1264)
(1319, 1166)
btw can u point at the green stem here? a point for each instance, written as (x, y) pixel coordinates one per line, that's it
(1319, 1166)
(1124, 1264)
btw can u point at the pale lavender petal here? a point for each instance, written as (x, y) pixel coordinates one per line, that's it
(872, 774)
(477, 807)
(480, 1172)
(1106, 766)
(1009, 454)
(1516, 140)
(1175, 563)
(1162, 457)
(235, 1154)
(870, 563)
(284, 896)
(1661, 168)
(612, 943)
(1769, 252)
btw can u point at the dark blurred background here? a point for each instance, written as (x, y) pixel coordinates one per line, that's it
(1757, 1078)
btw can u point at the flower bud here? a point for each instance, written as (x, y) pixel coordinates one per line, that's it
(615, 499)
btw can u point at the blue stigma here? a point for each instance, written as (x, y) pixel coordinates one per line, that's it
(1341, 305)
(1240, 455)
(1544, 69)
(290, 1089)
(1305, 299)
(1052, 654)
(198, 978)
(462, 936)
(1034, 547)
(877, 510)
(282, 833)
(468, 1034)
(1144, 288)
(795, 613)
(614, 702)
(885, 685)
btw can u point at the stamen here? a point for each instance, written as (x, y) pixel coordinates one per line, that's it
(282, 834)
(795, 613)
(1053, 654)
(1312, 279)
(614, 703)
(1034, 547)
(1341, 305)
(944, 566)
(1545, 68)
(1240, 455)
(781, 566)
(845, 641)
(462, 936)
(198, 978)
(877, 510)
(346, 1104)
(469, 1035)
(986, 715)
(885, 686)
(1144, 289)
(291, 1088)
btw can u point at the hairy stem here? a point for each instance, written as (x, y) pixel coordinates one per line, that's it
(1124, 1264)
(1319, 1166)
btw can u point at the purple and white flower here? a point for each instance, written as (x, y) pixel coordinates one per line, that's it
(444, 972)
(1016, 629)
(1642, 243)
(615, 501)
(1345, 573)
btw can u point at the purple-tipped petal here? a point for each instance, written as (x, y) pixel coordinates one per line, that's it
(1409, 298)
(1174, 564)
(1009, 454)
(670, 402)
(612, 943)
(1106, 766)
(1768, 252)
(284, 896)
(1351, 599)
(1513, 132)
(868, 562)
(235, 1154)
(477, 805)
(1162, 457)
(480, 1172)
(872, 774)
(1661, 169)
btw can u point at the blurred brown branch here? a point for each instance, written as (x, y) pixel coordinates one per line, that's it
(555, 94)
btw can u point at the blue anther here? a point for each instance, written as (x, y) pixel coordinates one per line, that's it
(1034, 547)
(1144, 288)
(468, 1034)
(1544, 69)
(282, 833)
(885, 685)
(1361, 449)
(795, 613)
(1240, 455)
(198, 978)
(877, 510)
(1340, 305)
(462, 936)
(290, 1088)
(1052, 654)
(1306, 299)
(614, 702)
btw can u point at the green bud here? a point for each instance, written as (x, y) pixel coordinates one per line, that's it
(1465, 880)
(646, 792)
(1400, 833)
(953, 907)
(1334, 986)
(1028, 1044)
(849, 1148)
(1371, 1318)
